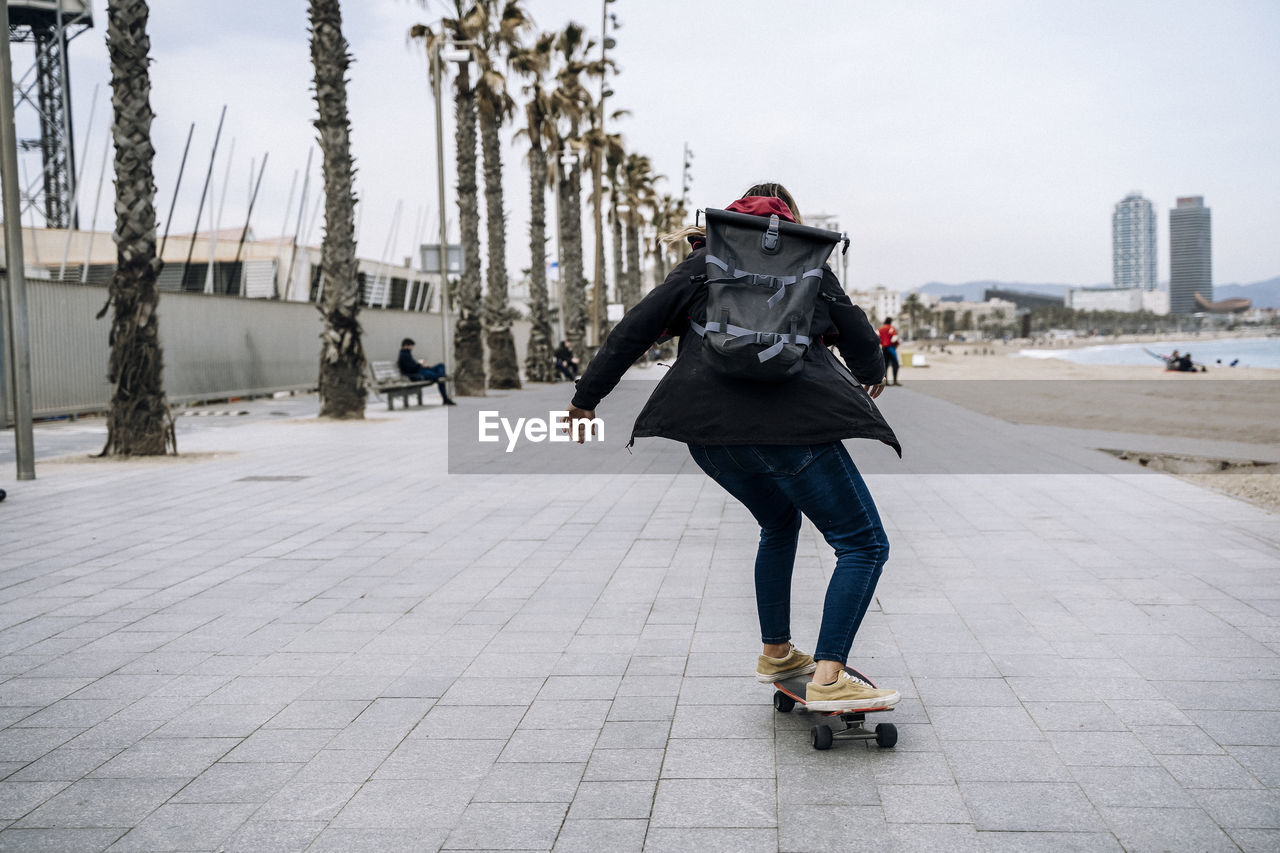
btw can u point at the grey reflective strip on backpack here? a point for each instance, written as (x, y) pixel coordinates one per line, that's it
(740, 332)
(764, 279)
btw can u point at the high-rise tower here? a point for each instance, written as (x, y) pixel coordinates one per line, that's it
(1190, 255)
(1133, 243)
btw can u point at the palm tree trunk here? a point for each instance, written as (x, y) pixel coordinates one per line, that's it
(468, 345)
(575, 284)
(619, 271)
(504, 368)
(633, 258)
(342, 363)
(538, 362)
(139, 422)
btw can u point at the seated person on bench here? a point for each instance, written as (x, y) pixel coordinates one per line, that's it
(419, 371)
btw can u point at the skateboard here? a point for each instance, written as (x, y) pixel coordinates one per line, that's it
(789, 693)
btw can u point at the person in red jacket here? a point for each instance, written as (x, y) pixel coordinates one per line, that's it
(889, 346)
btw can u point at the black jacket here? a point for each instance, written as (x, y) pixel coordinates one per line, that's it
(697, 405)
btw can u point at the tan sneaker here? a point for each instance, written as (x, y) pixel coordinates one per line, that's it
(847, 694)
(769, 670)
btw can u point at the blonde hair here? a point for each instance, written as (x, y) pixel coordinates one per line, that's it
(768, 189)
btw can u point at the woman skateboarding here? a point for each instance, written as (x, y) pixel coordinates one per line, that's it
(775, 446)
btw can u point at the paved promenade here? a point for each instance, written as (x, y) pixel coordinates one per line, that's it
(309, 636)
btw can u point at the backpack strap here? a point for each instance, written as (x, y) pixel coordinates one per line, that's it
(776, 340)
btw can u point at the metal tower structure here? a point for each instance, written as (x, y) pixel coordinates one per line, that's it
(45, 88)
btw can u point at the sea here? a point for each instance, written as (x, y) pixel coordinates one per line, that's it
(1251, 352)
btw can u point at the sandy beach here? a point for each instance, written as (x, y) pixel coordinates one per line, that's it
(1237, 404)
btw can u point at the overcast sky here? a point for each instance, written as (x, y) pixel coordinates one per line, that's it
(954, 141)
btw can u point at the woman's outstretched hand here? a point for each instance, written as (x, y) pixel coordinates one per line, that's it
(575, 415)
(873, 391)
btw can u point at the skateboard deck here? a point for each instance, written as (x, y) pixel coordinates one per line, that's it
(843, 725)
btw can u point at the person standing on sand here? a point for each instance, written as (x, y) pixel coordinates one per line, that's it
(889, 346)
(776, 447)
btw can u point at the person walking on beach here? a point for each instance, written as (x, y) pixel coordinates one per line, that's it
(889, 346)
(775, 446)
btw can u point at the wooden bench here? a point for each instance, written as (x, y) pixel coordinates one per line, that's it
(387, 379)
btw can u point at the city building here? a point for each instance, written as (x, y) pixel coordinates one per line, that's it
(878, 303)
(220, 263)
(1190, 255)
(1133, 243)
(1126, 299)
(1023, 299)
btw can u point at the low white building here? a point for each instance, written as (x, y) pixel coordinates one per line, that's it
(878, 303)
(1125, 299)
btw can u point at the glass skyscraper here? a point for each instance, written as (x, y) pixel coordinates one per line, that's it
(1133, 243)
(1190, 255)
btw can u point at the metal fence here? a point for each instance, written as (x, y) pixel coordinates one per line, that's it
(214, 346)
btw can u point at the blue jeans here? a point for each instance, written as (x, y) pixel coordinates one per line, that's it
(435, 371)
(777, 483)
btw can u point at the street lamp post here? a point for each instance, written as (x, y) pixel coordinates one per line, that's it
(15, 286)
(437, 84)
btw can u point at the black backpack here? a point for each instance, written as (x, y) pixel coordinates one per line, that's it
(763, 277)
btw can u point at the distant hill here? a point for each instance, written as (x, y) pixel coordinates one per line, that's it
(1264, 294)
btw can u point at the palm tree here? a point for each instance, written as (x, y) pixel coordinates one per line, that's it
(912, 307)
(342, 385)
(570, 103)
(667, 215)
(533, 62)
(498, 35)
(139, 422)
(612, 164)
(468, 343)
(637, 182)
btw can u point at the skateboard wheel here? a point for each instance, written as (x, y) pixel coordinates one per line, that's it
(783, 702)
(821, 737)
(886, 734)
(2, 494)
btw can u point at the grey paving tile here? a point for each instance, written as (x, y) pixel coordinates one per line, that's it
(184, 826)
(623, 765)
(307, 801)
(1248, 809)
(742, 803)
(1131, 787)
(923, 804)
(592, 836)
(738, 758)
(63, 764)
(1101, 748)
(1208, 771)
(725, 721)
(648, 734)
(930, 837)
(1049, 842)
(1166, 829)
(831, 828)
(58, 840)
(507, 826)
(269, 836)
(1256, 840)
(1029, 807)
(160, 757)
(613, 800)
(537, 782)
(102, 803)
(237, 783)
(558, 745)
(463, 760)
(404, 804)
(718, 840)
(18, 798)
(414, 839)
